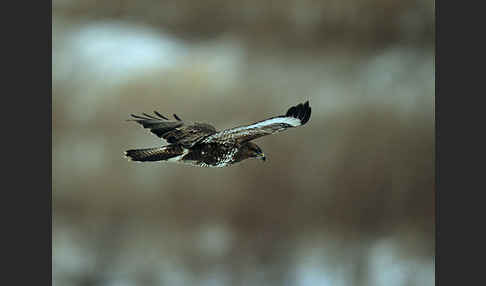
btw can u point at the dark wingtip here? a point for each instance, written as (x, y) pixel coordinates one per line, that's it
(290, 111)
(301, 111)
(140, 117)
(150, 116)
(160, 115)
(147, 117)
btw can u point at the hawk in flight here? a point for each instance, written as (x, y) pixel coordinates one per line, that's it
(200, 144)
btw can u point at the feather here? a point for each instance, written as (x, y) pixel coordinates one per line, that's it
(137, 116)
(150, 116)
(201, 145)
(160, 115)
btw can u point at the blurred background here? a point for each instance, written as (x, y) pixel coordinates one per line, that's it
(348, 199)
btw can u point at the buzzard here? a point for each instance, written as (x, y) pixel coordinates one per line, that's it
(200, 144)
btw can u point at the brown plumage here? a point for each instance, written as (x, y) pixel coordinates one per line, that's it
(200, 144)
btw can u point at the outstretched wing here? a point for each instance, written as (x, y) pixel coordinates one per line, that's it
(175, 131)
(296, 116)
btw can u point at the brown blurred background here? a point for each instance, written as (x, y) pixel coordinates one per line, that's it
(348, 199)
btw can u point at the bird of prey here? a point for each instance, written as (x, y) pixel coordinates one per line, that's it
(200, 144)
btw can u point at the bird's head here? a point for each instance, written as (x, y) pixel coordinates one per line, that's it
(254, 151)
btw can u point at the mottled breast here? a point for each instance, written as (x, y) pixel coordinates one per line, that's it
(211, 155)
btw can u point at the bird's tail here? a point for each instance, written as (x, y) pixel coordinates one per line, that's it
(154, 154)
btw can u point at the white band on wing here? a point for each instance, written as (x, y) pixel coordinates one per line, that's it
(292, 121)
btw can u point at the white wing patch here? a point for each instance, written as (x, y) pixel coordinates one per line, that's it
(250, 129)
(292, 121)
(179, 158)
